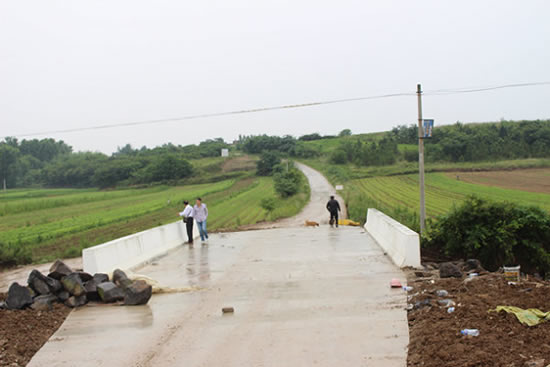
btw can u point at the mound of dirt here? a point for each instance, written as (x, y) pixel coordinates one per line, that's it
(435, 338)
(23, 332)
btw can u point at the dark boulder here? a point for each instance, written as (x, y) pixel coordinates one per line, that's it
(59, 270)
(42, 284)
(63, 296)
(91, 290)
(44, 303)
(84, 276)
(18, 297)
(73, 284)
(76, 301)
(448, 270)
(109, 292)
(137, 293)
(473, 265)
(37, 283)
(120, 279)
(54, 284)
(100, 278)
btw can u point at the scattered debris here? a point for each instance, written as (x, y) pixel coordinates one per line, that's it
(512, 273)
(446, 302)
(442, 293)
(448, 270)
(535, 363)
(434, 338)
(473, 265)
(395, 283)
(470, 332)
(423, 303)
(529, 317)
(422, 274)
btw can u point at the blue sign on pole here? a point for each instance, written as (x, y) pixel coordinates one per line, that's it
(428, 128)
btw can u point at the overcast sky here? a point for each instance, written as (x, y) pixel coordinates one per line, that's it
(76, 63)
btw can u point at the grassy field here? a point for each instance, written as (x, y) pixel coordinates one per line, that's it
(61, 222)
(399, 196)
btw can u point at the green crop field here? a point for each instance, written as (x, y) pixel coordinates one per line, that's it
(401, 194)
(61, 222)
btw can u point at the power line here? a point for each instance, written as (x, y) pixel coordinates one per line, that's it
(283, 107)
(216, 114)
(483, 89)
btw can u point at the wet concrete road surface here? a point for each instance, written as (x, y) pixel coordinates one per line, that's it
(302, 297)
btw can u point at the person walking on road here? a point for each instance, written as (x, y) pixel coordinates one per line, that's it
(200, 212)
(333, 207)
(187, 215)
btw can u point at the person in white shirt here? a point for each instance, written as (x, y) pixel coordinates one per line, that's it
(200, 212)
(187, 215)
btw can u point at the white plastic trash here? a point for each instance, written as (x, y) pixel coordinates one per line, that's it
(511, 273)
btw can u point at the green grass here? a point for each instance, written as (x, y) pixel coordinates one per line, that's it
(398, 196)
(327, 146)
(442, 192)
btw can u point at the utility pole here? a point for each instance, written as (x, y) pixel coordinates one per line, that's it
(4, 184)
(421, 161)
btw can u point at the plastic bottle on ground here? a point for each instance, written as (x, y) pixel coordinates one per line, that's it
(470, 332)
(442, 293)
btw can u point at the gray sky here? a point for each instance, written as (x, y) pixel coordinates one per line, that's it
(75, 63)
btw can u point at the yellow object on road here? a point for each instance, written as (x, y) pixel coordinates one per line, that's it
(529, 317)
(348, 222)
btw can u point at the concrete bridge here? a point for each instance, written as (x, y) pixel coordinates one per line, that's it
(302, 297)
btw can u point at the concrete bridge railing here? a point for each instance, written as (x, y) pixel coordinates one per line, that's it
(400, 242)
(136, 249)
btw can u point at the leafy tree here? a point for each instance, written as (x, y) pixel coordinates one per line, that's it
(44, 150)
(304, 151)
(74, 170)
(268, 160)
(287, 182)
(338, 156)
(310, 137)
(115, 171)
(8, 159)
(345, 132)
(170, 167)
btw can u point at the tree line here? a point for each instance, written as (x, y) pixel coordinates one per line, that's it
(481, 142)
(53, 163)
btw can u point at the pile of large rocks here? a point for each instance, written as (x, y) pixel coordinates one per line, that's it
(75, 288)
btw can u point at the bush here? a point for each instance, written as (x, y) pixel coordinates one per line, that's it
(268, 204)
(287, 182)
(267, 163)
(496, 233)
(339, 156)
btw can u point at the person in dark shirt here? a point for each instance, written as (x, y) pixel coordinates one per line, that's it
(333, 207)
